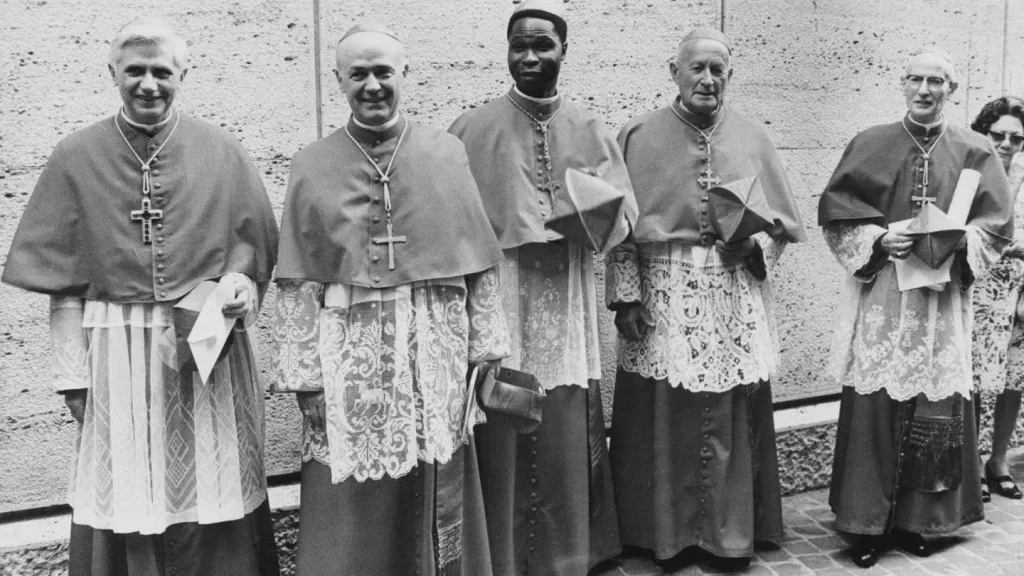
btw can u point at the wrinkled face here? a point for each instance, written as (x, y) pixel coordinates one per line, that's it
(535, 55)
(1007, 135)
(371, 72)
(148, 78)
(927, 86)
(702, 71)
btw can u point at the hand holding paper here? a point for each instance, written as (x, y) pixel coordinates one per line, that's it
(212, 327)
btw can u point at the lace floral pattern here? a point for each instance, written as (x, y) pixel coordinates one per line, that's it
(853, 244)
(68, 343)
(550, 301)
(296, 330)
(713, 328)
(997, 350)
(393, 366)
(909, 342)
(622, 276)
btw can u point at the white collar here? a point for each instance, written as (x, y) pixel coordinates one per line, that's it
(548, 100)
(379, 127)
(926, 126)
(150, 128)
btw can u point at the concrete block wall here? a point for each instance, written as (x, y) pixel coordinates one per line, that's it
(814, 72)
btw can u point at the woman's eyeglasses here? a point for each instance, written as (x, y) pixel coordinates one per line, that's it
(998, 137)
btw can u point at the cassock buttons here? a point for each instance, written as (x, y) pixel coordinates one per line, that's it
(375, 200)
(156, 185)
(375, 258)
(159, 226)
(160, 267)
(703, 209)
(159, 239)
(163, 294)
(156, 172)
(540, 157)
(920, 186)
(376, 279)
(161, 281)
(704, 199)
(376, 219)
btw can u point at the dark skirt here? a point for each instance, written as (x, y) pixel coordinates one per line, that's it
(243, 547)
(867, 494)
(550, 505)
(384, 527)
(694, 468)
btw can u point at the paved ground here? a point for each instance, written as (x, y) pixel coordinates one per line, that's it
(813, 547)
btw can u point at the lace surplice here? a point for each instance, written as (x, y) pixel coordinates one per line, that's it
(392, 364)
(550, 300)
(910, 342)
(155, 449)
(714, 322)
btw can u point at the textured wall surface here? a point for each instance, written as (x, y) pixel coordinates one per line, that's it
(814, 72)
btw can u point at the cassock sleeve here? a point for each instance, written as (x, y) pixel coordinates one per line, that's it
(854, 244)
(70, 344)
(766, 256)
(296, 328)
(488, 328)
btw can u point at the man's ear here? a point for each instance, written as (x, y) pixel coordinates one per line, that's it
(673, 69)
(953, 86)
(183, 72)
(565, 49)
(113, 73)
(728, 76)
(405, 71)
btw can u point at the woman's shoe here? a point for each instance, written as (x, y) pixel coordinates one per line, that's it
(995, 483)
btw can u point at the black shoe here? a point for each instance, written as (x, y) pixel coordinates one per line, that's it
(912, 543)
(996, 484)
(866, 551)
(986, 494)
(720, 564)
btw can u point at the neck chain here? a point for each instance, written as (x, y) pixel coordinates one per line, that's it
(384, 178)
(707, 178)
(926, 156)
(542, 127)
(705, 135)
(145, 164)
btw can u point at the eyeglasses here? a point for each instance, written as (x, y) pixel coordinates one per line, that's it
(933, 81)
(998, 137)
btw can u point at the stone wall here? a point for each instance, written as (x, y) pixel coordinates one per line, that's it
(814, 72)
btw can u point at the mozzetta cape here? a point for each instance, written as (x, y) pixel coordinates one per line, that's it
(577, 139)
(330, 213)
(666, 213)
(876, 175)
(76, 237)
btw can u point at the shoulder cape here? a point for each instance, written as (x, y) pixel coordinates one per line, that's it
(76, 237)
(330, 216)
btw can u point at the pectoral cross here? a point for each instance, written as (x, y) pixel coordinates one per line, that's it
(921, 200)
(550, 187)
(708, 178)
(146, 215)
(390, 240)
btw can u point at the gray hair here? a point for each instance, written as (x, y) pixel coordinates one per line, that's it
(149, 31)
(951, 69)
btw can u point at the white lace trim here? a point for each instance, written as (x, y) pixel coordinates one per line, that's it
(905, 342)
(997, 351)
(550, 300)
(154, 451)
(714, 328)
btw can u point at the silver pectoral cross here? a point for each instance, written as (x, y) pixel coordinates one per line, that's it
(708, 178)
(390, 240)
(921, 200)
(146, 215)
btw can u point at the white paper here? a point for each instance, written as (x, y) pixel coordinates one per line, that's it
(913, 273)
(963, 195)
(211, 329)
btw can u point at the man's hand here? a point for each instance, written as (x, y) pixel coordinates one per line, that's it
(897, 245)
(239, 305)
(1016, 250)
(738, 249)
(313, 407)
(633, 322)
(75, 401)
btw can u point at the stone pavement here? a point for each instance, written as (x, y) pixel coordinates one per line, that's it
(813, 547)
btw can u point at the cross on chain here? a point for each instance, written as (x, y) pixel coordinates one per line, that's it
(550, 187)
(146, 214)
(924, 198)
(390, 240)
(708, 178)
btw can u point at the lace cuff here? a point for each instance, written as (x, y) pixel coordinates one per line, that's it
(296, 331)
(853, 245)
(69, 343)
(622, 277)
(488, 328)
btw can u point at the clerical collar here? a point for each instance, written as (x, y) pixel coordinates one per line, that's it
(701, 121)
(371, 134)
(540, 108)
(919, 130)
(147, 129)
(378, 127)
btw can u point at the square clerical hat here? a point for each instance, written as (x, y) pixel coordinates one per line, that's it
(935, 234)
(587, 210)
(739, 209)
(516, 395)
